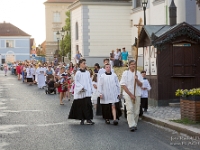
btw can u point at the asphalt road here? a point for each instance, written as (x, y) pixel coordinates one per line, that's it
(32, 120)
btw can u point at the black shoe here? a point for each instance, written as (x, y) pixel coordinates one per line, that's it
(132, 129)
(145, 110)
(82, 122)
(68, 99)
(115, 122)
(107, 121)
(89, 122)
(135, 128)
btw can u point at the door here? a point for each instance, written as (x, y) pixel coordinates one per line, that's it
(183, 62)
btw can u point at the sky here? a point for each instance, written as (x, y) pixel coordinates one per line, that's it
(28, 15)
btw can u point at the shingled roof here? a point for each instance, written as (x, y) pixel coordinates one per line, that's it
(60, 1)
(8, 29)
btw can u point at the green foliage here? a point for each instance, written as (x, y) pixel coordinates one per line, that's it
(186, 92)
(65, 45)
(186, 121)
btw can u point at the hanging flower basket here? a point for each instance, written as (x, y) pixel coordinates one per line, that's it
(190, 104)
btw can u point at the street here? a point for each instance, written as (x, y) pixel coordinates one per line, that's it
(32, 120)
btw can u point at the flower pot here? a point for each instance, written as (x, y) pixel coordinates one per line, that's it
(190, 108)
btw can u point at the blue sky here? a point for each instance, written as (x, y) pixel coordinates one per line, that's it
(28, 15)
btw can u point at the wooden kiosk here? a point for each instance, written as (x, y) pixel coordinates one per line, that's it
(171, 60)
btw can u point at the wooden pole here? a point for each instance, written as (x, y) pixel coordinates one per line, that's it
(135, 53)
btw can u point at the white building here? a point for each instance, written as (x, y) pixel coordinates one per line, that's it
(99, 26)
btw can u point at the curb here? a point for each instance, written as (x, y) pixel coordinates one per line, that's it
(191, 131)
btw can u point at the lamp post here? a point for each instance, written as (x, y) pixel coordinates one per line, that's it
(58, 38)
(62, 35)
(144, 5)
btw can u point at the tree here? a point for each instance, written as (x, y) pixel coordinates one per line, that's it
(66, 44)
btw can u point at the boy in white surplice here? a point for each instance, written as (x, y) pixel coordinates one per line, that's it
(109, 89)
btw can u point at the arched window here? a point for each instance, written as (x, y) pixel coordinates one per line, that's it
(76, 30)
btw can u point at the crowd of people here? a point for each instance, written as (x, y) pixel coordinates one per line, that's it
(96, 90)
(119, 58)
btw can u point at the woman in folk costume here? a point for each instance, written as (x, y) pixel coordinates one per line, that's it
(82, 106)
(145, 88)
(132, 99)
(18, 70)
(109, 90)
(61, 76)
(41, 76)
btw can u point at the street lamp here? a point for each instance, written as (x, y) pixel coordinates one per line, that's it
(144, 5)
(62, 35)
(58, 37)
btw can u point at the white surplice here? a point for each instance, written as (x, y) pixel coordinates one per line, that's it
(40, 77)
(82, 81)
(109, 87)
(30, 72)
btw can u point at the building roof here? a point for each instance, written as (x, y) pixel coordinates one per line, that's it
(160, 31)
(60, 1)
(8, 29)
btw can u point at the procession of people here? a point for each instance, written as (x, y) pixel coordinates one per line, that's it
(93, 92)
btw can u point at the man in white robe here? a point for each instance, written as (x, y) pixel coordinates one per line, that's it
(132, 101)
(82, 106)
(109, 90)
(41, 76)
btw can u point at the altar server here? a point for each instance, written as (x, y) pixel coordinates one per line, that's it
(132, 101)
(109, 90)
(82, 106)
(100, 72)
(145, 88)
(30, 71)
(41, 76)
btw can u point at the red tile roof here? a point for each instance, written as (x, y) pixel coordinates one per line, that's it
(8, 29)
(60, 1)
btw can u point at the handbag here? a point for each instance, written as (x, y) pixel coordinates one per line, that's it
(56, 84)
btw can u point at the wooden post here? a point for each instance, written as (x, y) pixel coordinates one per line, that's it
(135, 52)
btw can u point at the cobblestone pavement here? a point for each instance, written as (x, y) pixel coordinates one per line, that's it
(32, 120)
(167, 113)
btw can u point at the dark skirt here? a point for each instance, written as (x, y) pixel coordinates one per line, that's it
(99, 109)
(107, 111)
(81, 109)
(29, 79)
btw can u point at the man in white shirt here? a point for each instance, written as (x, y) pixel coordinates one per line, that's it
(132, 100)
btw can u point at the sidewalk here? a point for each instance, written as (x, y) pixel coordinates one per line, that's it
(163, 116)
